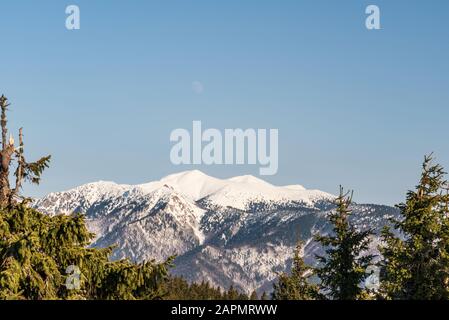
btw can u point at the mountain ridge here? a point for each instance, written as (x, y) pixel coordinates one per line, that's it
(239, 231)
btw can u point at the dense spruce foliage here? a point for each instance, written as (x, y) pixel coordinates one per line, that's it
(37, 252)
(177, 288)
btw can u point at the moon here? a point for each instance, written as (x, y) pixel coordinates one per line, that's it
(197, 87)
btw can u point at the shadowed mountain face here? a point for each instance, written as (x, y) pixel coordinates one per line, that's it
(239, 231)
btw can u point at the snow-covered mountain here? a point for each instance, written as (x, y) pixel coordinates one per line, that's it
(238, 231)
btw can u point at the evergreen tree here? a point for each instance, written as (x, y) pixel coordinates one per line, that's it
(343, 269)
(416, 261)
(253, 296)
(232, 293)
(296, 286)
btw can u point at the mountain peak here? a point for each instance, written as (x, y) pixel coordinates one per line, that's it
(186, 175)
(194, 183)
(249, 179)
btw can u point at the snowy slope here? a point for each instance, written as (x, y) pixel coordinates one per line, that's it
(238, 231)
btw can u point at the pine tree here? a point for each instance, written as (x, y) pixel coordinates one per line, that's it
(297, 285)
(344, 267)
(416, 261)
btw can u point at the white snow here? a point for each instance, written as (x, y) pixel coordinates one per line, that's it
(236, 192)
(193, 184)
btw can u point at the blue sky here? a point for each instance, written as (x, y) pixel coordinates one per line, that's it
(353, 107)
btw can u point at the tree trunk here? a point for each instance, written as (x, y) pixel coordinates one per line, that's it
(5, 156)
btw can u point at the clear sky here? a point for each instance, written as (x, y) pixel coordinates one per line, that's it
(353, 107)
